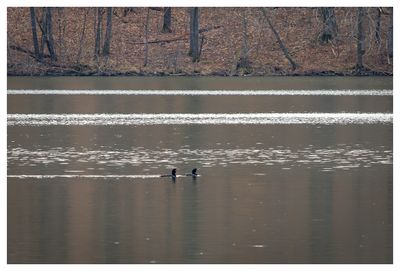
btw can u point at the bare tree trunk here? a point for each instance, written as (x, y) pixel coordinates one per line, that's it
(390, 35)
(245, 38)
(61, 31)
(50, 41)
(378, 26)
(190, 31)
(329, 31)
(167, 21)
(281, 44)
(194, 34)
(98, 21)
(243, 62)
(78, 57)
(360, 40)
(107, 40)
(47, 35)
(38, 55)
(146, 40)
(43, 28)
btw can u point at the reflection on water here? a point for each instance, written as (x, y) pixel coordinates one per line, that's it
(161, 119)
(290, 92)
(82, 190)
(77, 176)
(199, 82)
(341, 156)
(266, 194)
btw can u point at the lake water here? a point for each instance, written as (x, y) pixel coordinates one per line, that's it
(292, 170)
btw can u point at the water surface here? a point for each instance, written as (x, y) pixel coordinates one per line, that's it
(199, 82)
(285, 177)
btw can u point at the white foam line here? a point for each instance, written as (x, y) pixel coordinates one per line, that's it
(273, 92)
(210, 118)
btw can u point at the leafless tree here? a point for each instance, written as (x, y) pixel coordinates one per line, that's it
(38, 55)
(243, 62)
(360, 39)
(281, 44)
(194, 51)
(61, 22)
(146, 38)
(329, 30)
(47, 34)
(78, 56)
(390, 34)
(107, 40)
(98, 29)
(378, 26)
(167, 21)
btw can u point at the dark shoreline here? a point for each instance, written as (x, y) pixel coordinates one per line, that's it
(218, 74)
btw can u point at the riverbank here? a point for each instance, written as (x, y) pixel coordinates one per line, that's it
(139, 47)
(220, 74)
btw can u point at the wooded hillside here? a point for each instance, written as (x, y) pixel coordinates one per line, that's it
(206, 41)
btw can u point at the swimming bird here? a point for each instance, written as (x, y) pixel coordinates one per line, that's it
(193, 174)
(173, 174)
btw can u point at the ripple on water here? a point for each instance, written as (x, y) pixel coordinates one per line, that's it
(202, 119)
(193, 92)
(341, 157)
